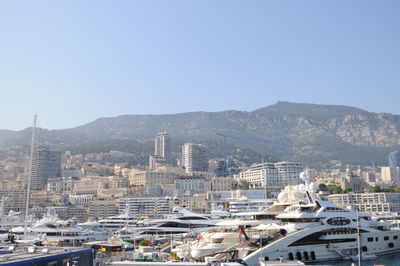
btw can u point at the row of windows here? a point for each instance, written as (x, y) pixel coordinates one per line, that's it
(299, 256)
(385, 238)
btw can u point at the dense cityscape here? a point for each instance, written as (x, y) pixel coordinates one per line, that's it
(199, 133)
(93, 192)
(87, 186)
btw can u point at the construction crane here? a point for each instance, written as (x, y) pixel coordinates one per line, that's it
(224, 136)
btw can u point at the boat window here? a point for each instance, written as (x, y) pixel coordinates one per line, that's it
(306, 255)
(335, 209)
(266, 258)
(338, 221)
(53, 263)
(173, 224)
(370, 239)
(291, 256)
(200, 225)
(315, 238)
(386, 238)
(376, 239)
(298, 255)
(313, 255)
(395, 237)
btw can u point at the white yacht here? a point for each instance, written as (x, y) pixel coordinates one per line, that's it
(225, 236)
(51, 229)
(181, 221)
(112, 223)
(314, 230)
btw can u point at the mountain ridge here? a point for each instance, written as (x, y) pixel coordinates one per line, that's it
(309, 133)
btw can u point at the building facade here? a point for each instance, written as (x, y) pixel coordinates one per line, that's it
(194, 158)
(222, 183)
(16, 199)
(102, 208)
(279, 174)
(381, 202)
(163, 146)
(145, 206)
(192, 184)
(151, 178)
(391, 175)
(46, 164)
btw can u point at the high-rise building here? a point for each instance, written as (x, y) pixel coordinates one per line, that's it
(391, 175)
(394, 159)
(194, 157)
(46, 164)
(163, 146)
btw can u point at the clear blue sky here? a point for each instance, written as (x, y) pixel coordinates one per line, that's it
(73, 61)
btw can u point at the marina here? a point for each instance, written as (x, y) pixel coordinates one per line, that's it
(298, 226)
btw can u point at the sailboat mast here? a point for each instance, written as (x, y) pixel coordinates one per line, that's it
(359, 240)
(28, 190)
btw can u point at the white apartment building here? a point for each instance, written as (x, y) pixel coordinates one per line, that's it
(380, 202)
(145, 206)
(278, 174)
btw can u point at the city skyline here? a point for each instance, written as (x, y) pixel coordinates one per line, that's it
(72, 62)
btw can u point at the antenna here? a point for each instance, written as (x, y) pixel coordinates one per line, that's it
(28, 190)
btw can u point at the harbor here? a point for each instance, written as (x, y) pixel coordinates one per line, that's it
(297, 229)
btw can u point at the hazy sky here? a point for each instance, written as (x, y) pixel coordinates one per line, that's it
(74, 61)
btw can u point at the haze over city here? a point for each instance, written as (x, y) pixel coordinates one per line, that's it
(72, 62)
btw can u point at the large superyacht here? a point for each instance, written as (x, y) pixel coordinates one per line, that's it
(315, 230)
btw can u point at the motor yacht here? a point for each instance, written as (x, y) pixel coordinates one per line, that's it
(179, 222)
(313, 230)
(52, 229)
(112, 223)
